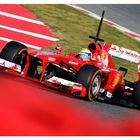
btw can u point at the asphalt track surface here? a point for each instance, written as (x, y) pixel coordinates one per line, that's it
(29, 108)
(126, 15)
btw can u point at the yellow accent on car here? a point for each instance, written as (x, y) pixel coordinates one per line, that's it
(115, 81)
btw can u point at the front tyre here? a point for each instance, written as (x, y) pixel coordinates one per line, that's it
(15, 52)
(90, 77)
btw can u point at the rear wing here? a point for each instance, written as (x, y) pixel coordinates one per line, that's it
(126, 54)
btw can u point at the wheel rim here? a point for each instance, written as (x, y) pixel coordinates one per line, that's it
(95, 87)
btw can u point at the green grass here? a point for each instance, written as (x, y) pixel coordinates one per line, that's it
(73, 28)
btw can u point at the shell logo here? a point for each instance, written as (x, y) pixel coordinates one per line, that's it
(104, 58)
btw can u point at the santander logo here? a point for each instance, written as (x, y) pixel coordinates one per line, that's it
(124, 53)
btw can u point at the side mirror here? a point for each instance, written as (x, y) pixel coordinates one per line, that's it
(59, 49)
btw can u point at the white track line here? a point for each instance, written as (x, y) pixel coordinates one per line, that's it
(29, 33)
(28, 45)
(21, 18)
(120, 28)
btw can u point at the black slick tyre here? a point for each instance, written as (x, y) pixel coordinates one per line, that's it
(14, 52)
(90, 77)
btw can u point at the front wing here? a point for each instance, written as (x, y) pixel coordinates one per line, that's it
(10, 65)
(66, 85)
(55, 82)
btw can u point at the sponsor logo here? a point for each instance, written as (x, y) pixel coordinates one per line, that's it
(69, 84)
(14, 67)
(73, 63)
(125, 51)
(77, 86)
(61, 81)
(2, 64)
(52, 59)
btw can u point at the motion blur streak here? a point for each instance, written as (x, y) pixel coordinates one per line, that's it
(29, 108)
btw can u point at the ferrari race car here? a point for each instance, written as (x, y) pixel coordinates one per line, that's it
(91, 73)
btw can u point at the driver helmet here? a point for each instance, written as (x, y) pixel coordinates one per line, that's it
(85, 54)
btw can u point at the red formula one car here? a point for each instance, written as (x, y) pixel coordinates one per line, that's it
(91, 73)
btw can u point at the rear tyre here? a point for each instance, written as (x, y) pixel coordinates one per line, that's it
(136, 94)
(15, 52)
(90, 77)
